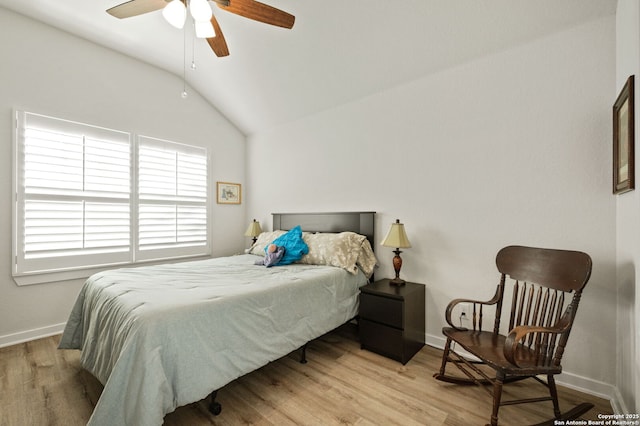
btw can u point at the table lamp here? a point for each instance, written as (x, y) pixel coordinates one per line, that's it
(397, 237)
(253, 230)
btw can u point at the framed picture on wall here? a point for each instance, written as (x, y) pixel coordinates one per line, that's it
(623, 140)
(229, 193)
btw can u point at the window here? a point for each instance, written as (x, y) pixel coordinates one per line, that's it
(172, 199)
(74, 202)
(73, 195)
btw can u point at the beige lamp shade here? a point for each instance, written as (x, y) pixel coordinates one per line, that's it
(253, 230)
(396, 237)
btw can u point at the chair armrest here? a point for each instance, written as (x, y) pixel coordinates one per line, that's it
(519, 333)
(455, 302)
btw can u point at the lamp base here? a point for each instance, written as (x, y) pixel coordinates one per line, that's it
(397, 281)
(397, 264)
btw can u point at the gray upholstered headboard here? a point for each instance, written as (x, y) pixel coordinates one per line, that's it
(360, 222)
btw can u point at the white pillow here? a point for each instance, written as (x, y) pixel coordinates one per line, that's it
(264, 239)
(346, 250)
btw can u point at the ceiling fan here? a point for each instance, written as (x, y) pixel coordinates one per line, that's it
(246, 8)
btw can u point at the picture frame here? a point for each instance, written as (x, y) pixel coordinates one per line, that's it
(228, 193)
(623, 139)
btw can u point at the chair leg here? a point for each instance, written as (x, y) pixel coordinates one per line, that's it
(554, 395)
(497, 396)
(445, 356)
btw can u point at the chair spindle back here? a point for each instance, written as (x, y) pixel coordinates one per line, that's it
(542, 281)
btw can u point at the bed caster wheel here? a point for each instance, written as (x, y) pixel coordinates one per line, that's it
(215, 408)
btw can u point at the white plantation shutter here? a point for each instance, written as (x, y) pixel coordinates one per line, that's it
(172, 199)
(74, 205)
(73, 195)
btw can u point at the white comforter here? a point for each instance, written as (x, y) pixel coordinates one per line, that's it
(159, 337)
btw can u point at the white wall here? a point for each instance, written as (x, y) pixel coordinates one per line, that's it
(627, 213)
(51, 72)
(513, 148)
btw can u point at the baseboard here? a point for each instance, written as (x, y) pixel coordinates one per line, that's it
(26, 336)
(568, 379)
(617, 403)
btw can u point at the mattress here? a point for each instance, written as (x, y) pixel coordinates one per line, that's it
(158, 337)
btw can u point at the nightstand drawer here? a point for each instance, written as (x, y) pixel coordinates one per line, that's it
(381, 339)
(381, 309)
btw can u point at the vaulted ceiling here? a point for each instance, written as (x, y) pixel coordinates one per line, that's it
(338, 51)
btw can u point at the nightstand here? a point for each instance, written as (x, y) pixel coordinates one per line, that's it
(392, 319)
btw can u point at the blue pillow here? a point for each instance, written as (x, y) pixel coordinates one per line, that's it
(294, 246)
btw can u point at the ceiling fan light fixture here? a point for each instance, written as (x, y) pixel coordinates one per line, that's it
(175, 13)
(200, 10)
(204, 29)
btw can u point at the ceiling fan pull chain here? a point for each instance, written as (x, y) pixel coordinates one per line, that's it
(184, 63)
(193, 48)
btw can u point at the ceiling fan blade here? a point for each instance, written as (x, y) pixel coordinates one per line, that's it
(218, 44)
(135, 8)
(260, 12)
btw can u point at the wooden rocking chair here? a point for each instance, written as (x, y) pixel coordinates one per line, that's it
(539, 329)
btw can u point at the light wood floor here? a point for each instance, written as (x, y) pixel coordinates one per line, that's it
(341, 384)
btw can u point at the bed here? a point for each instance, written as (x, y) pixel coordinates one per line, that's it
(159, 337)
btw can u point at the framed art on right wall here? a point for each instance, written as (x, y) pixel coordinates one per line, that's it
(623, 140)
